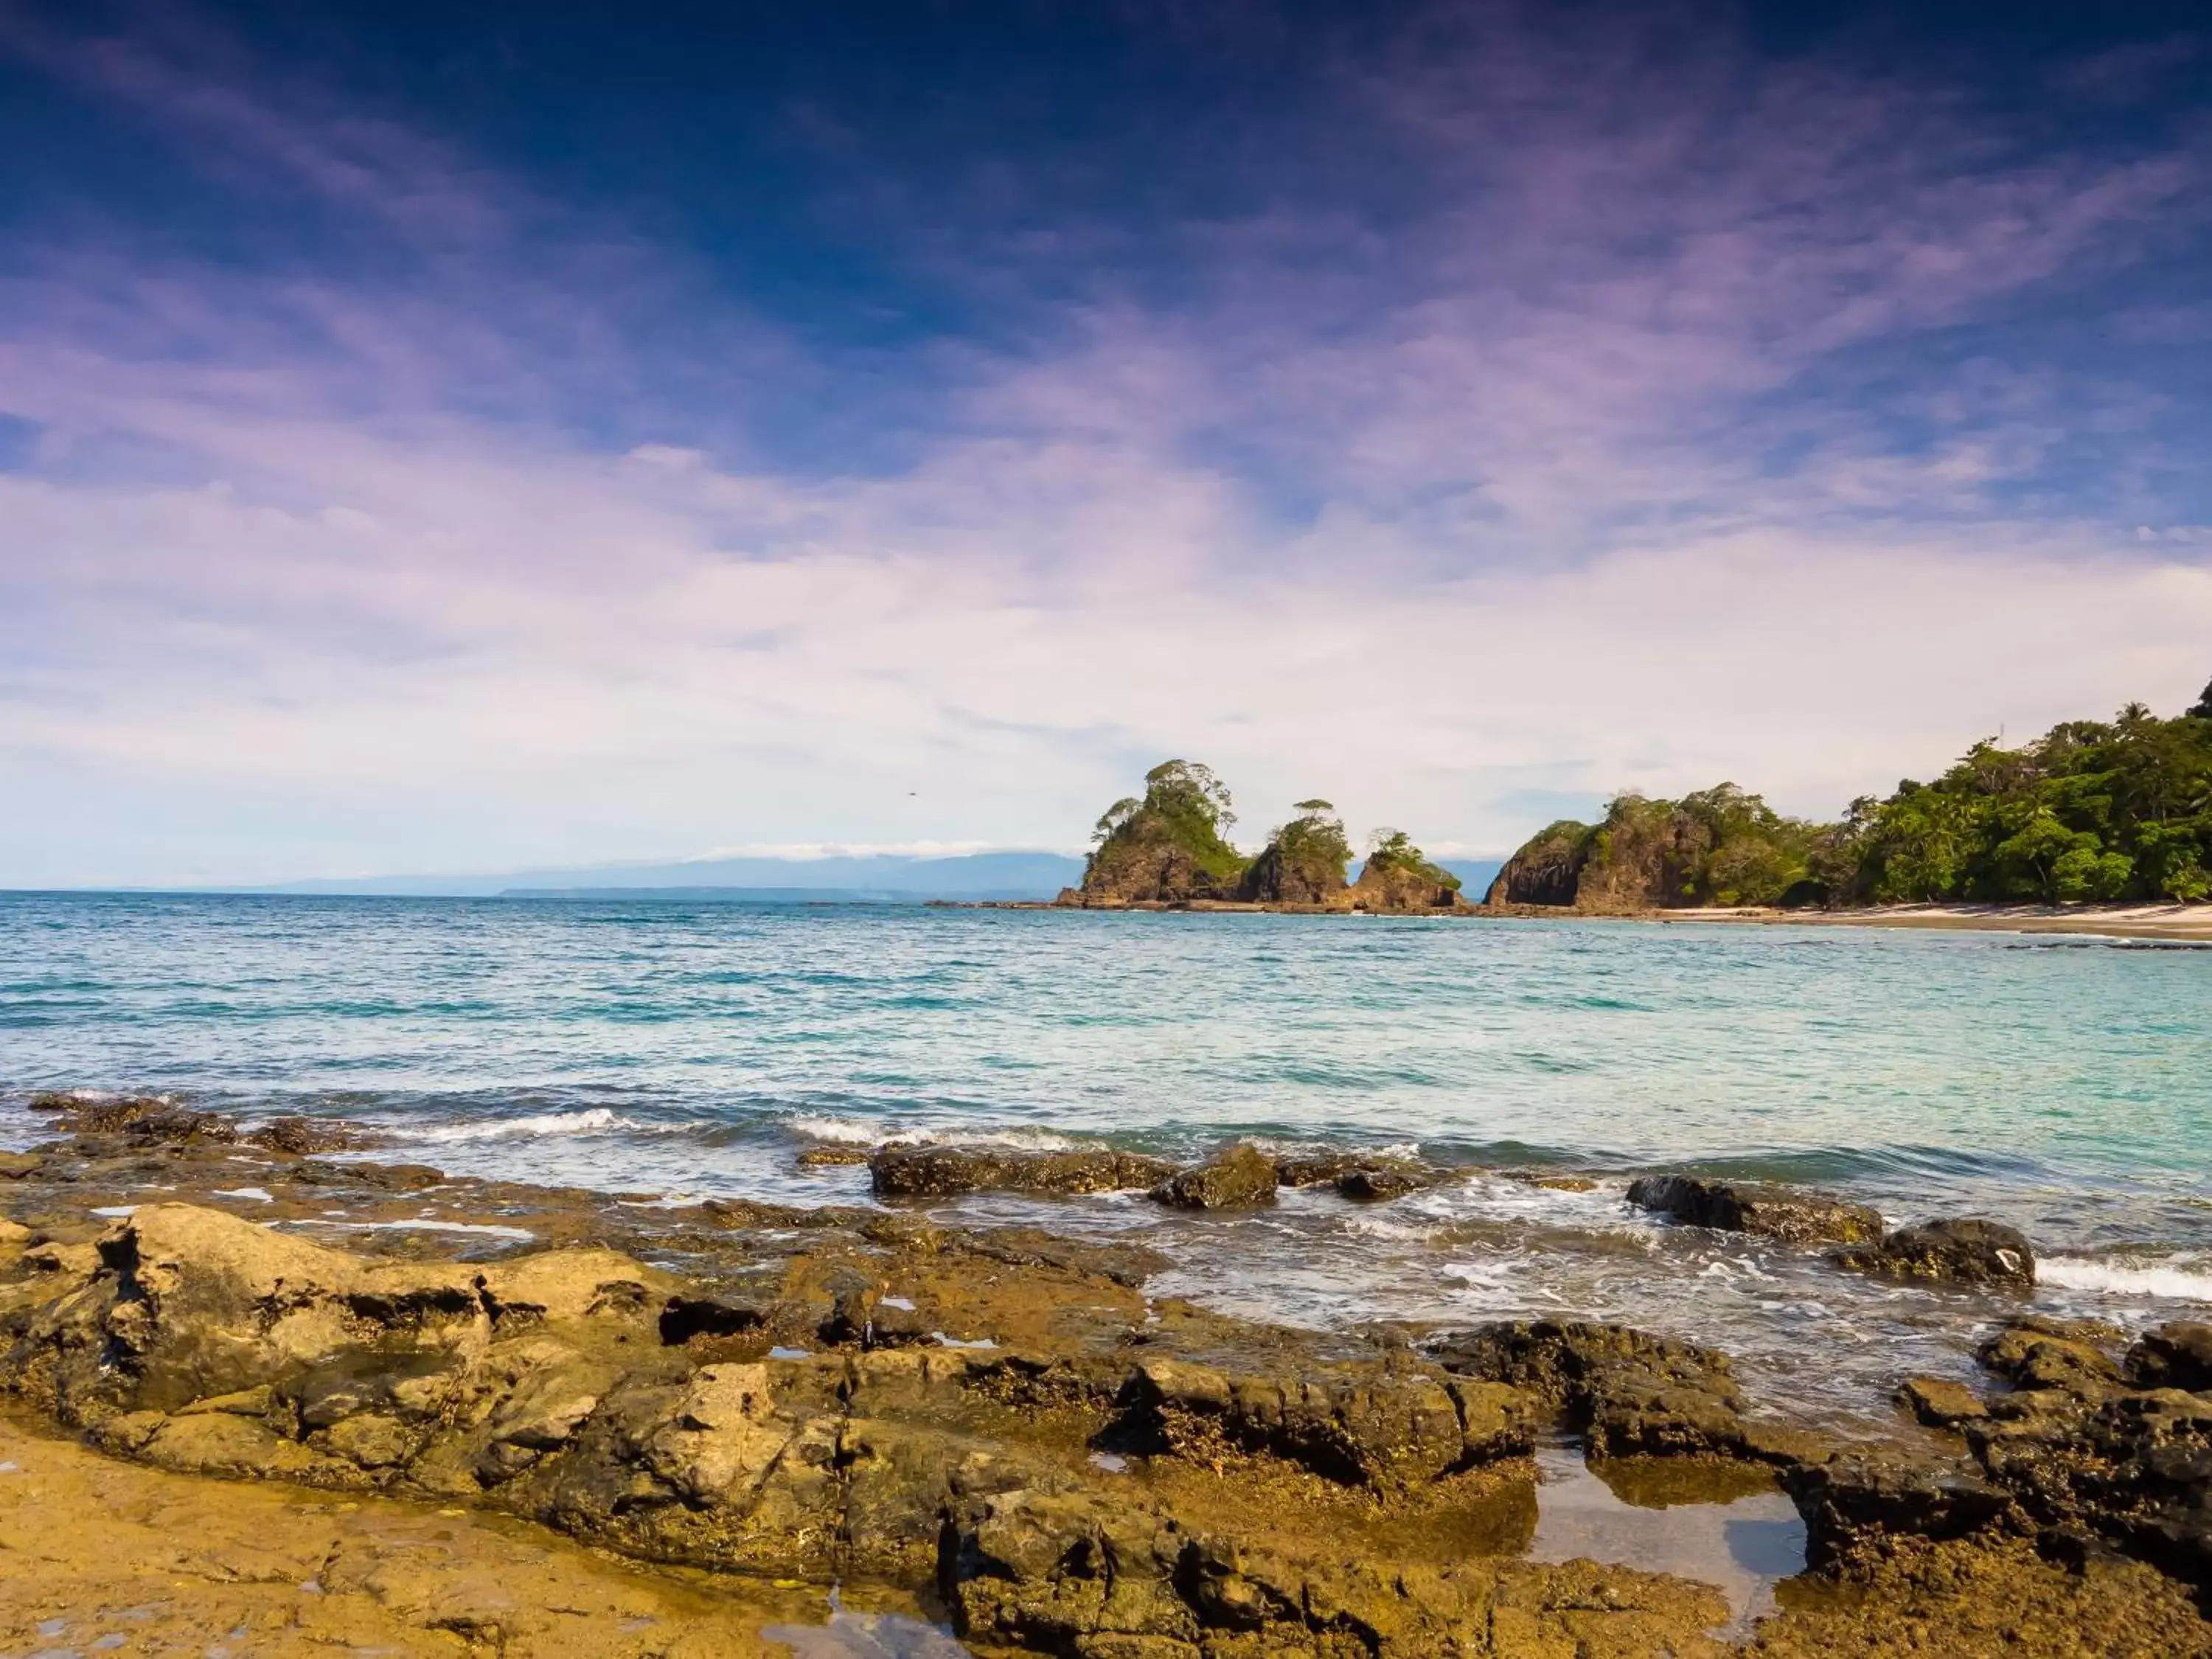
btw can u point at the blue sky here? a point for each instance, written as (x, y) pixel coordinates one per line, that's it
(444, 438)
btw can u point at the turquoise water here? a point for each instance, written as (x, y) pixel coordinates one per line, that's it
(2065, 1084)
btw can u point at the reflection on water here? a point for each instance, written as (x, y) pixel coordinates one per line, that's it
(866, 1636)
(1725, 1527)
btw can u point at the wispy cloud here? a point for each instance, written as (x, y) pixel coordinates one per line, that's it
(1673, 414)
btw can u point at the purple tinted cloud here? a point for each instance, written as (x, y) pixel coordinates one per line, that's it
(425, 549)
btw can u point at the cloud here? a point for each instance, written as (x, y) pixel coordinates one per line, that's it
(1590, 464)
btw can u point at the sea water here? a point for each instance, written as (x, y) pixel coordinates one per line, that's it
(2061, 1084)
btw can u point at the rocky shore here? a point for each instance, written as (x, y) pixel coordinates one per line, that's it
(1000, 1426)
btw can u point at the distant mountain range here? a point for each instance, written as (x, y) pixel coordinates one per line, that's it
(858, 878)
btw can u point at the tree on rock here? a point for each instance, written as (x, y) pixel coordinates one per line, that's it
(1304, 861)
(1399, 876)
(1167, 847)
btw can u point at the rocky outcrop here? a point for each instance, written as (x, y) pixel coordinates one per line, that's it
(2174, 1356)
(1969, 1251)
(945, 1171)
(1768, 1212)
(1238, 1179)
(1547, 870)
(1166, 847)
(1628, 1393)
(1001, 1419)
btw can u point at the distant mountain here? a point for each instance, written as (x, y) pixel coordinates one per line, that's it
(845, 879)
(882, 875)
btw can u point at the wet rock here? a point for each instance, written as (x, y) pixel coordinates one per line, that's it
(1317, 1169)
(685, 1318)
(176, 1124)
(2053, 1353)
(1378, 1425)
(1769, 1212)
(301, 1137)
(1380, 1183)
(946, 1172)
(1968, 1251)
(15, 1166)
(1855, 1500)
(1240, 1178)
(1941, 1402)
(378, 1177)
(1628, 1393)
(831, 1157)
(2178, 1355)
(93, 1114)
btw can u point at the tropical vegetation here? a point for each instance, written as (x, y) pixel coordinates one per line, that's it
(2092, 810)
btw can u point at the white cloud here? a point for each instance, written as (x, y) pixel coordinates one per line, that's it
(315, 576)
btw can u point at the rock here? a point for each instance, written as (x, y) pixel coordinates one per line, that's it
(2178, 1355)
(382, 1178)
(1240, 1178)
(1317, 1169)
(1969, 1251)
(1940, 1402)
(1401, 887)
(1769, 1212)
(2051, 1353)
(16, 1166)
(303, 1136)
(829, 1158)
(175, 1124)
(1547, 870)
(945, 1171)
(1628, 1393)
(93, 1114)
(1856, 1499)
(1377, 1184)
(1374, 1424)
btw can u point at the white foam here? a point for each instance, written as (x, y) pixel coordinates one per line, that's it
(2075, 1273)
(842, 1131)
(597, 1120)
(254, 1193)
(420, 1225)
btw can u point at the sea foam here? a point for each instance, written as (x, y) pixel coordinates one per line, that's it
(2075, 1273)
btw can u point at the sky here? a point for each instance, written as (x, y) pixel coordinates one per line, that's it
(447, 438)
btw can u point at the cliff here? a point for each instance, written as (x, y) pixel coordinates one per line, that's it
(1715, 846)
(1166, 846)
(1399, 876)
(1302, 862)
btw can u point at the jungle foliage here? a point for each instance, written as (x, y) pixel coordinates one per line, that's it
(2093, 810)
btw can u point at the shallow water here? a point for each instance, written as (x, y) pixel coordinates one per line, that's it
(2063, 1084)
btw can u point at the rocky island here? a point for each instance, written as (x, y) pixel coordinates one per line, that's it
(1168, 849)
(994, 1427)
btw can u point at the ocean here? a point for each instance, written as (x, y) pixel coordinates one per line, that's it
(669, 1048)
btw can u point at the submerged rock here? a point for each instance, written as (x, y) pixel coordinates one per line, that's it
(947, 1171)
(1240, 1178)
(1769, 1212)
(1967, 1251)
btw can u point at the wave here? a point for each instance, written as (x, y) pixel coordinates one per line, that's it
(866, 1131)
(597, 1120)
(2075, 1273)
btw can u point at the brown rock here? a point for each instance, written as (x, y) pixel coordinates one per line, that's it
(1769, 1212)
(1968, 1251)
(1240, 1178)
(945, 1171)
(1940, 1402)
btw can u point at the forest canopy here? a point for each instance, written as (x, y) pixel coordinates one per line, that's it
(2093, 810)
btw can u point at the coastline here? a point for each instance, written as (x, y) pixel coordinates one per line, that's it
(1004, 1426)
(2180, 922)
